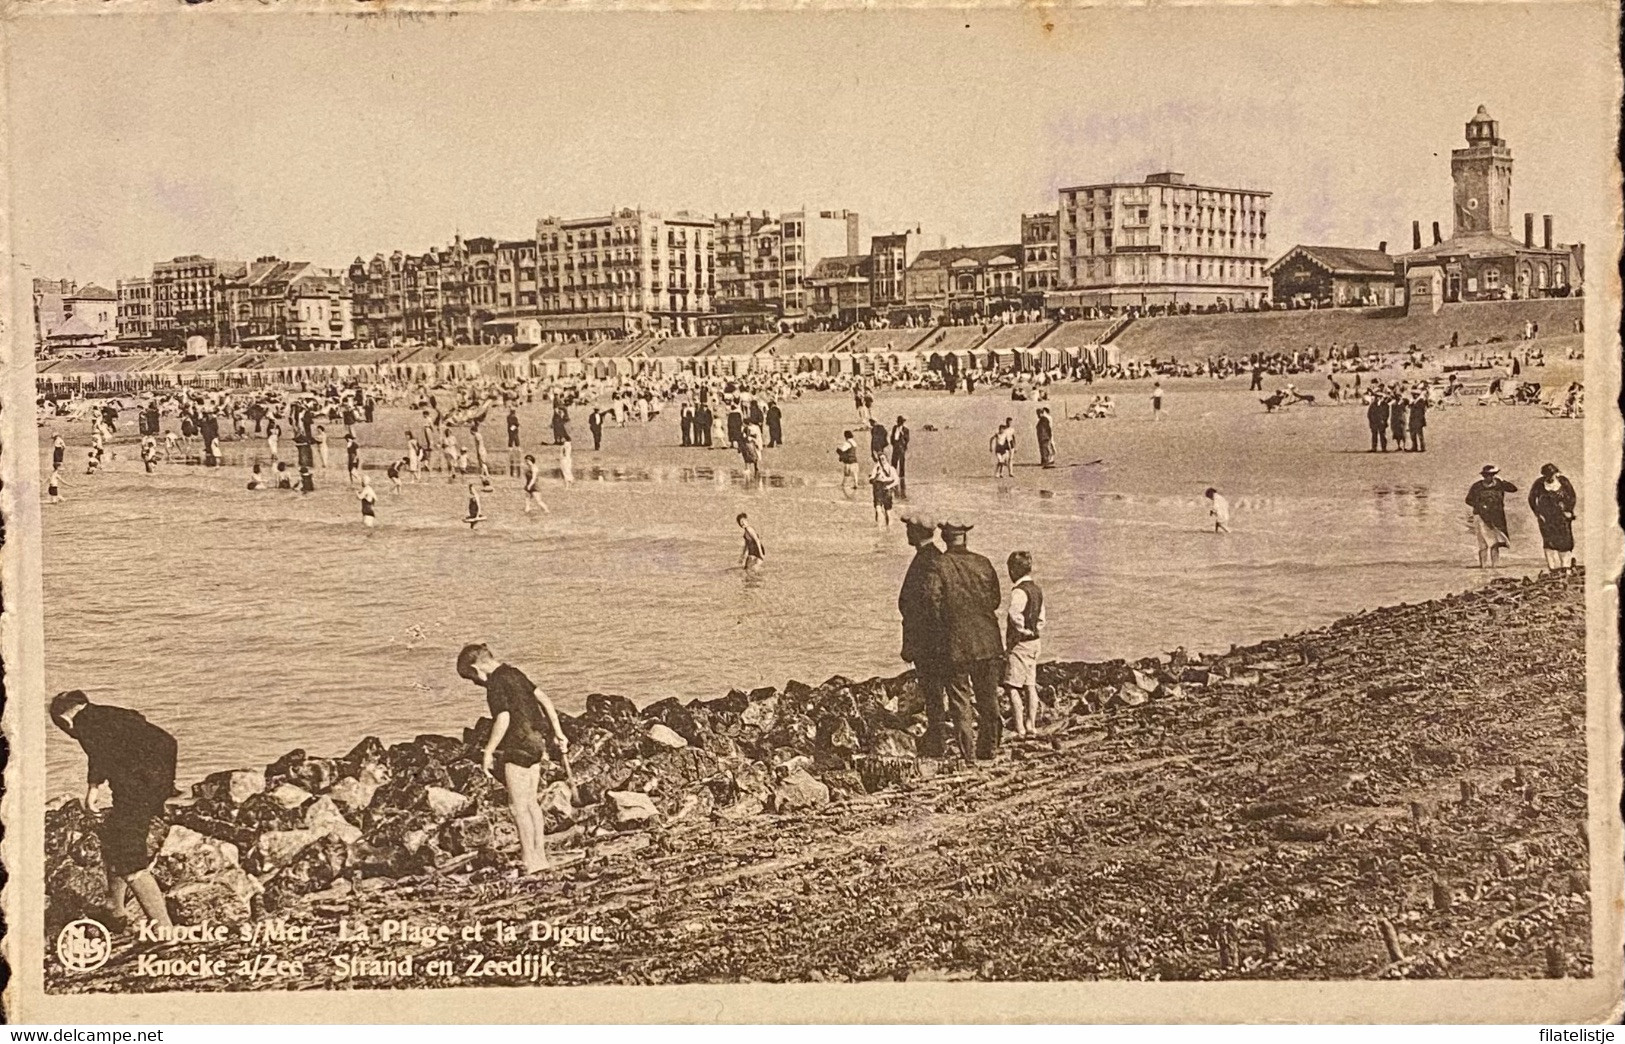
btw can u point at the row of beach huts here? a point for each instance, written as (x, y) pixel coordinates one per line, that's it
(997, 347)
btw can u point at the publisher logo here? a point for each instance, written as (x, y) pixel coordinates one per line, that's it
(83, 945)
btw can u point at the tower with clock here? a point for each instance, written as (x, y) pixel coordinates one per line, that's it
(1483, 176)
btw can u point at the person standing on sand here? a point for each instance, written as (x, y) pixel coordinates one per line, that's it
(1376, 418)
(899, 454)
(923, 642)
(775, 424)
(1156, 401)
(136, 760)
(59, 450)
(879, 440)
(1218, 510)
(567, 462)
(1552, 499)
(1398, 414)
(475, 514)
(273, 431)
(1024, 625)
(1418, 421)
(754, 552)
(685, 422)
(321, 445)
(595, 424)
(1487, 498)
(521, 718)
(53, 486)
(964, 594)
(1046, 438)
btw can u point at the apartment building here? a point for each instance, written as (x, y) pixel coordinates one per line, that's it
(763, 262)
(186, 298)
(1162, 242)
(134, 317)
(629, 271)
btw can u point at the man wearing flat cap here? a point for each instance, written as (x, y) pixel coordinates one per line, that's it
(964, 594)
(923, 644)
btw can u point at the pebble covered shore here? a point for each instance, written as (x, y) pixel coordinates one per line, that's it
(1399, 794)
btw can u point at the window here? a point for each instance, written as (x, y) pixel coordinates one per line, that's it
(1492, 278)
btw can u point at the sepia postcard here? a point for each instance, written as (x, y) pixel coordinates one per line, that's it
(821, 513)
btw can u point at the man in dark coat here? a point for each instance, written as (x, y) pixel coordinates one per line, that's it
(1487, 498)
(1376, 417)
(899, 454)
(685, 422)
(922, 631)
(136, 759)
(775, 424)
(879, 441)
(1418, 409)
(964, 594)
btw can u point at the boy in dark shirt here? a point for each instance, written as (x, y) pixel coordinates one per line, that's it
(136, 759)
(521, 714)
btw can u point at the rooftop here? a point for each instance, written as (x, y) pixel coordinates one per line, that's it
(1341, 260)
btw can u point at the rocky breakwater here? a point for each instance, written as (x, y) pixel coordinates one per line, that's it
(258, 841)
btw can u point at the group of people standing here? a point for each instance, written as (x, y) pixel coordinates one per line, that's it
(1552, 500)
(949, 602)
(1393, 410)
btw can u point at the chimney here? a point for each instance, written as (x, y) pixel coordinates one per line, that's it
(1382, 248)
(1528, 229)
(1416, 235)
(1546, 220)
(1436, 238)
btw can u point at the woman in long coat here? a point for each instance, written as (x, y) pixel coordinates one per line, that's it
(1552, 500)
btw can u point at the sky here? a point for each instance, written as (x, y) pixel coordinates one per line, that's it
(323, 137)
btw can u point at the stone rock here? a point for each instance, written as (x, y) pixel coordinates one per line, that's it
(662, 736)
(213, 826)
(352, 794)
(316, 867)
(794, 730)
(369, 751)
(672, 714)
(744, 808)
(631, 809)
(324, 816)
(466, 834)
(838, 734)
(231, 787)
(608, 710)
(262, 812)
(289, 796)
(761, 712)
(555, 801)
(303, 771)
(445, 803)
(187, 856)
(74, 891)
(276, 848)
(211, 901)
(892, 743)
(729, 706)
(799, 790)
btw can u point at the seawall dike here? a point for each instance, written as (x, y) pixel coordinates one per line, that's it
(1399, 794)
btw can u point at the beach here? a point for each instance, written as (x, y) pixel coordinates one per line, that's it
(630, 586)
(1395, 795)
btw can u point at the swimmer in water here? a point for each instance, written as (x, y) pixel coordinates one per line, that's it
(53, 488)
(394, 472)
(369, 502)
(533, 479)
(475, 515)
(256, 480)
(754, 553)
(307, 481)
(283, 479)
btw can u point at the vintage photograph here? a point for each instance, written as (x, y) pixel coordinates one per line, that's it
(540, 499)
